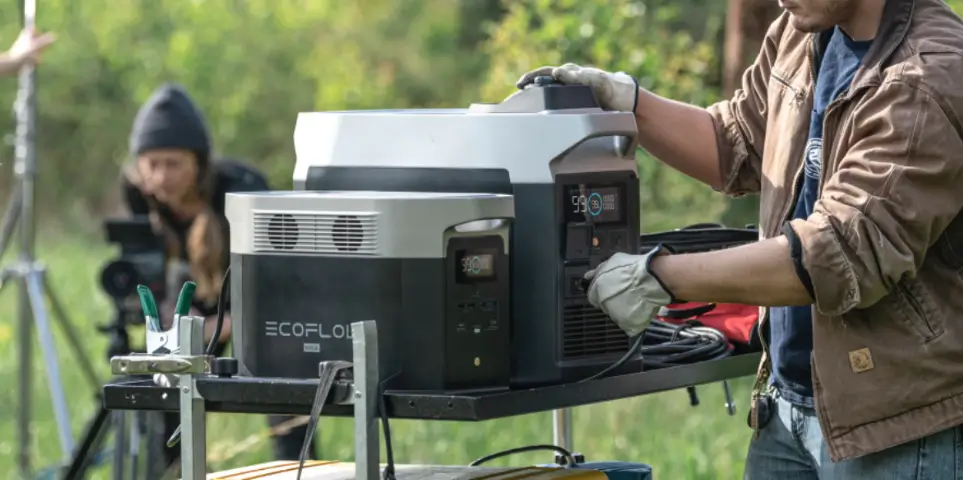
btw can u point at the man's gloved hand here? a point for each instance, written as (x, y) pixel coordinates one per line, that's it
(627, 291)
(614, 91)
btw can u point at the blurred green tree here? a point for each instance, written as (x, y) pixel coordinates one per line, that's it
(251, 65)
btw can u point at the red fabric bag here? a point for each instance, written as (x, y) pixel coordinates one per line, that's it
(736, 322)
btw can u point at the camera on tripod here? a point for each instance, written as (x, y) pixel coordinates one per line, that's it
(142, 261)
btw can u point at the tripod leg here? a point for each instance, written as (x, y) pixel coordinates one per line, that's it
(154, 430)
(10, 220)
(120, 438)
(134, 444)
(93, 437)
(33, 282)
(60, 315)
(24, 379)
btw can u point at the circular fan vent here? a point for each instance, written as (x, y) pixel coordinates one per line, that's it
(283, 231)
(347, 233)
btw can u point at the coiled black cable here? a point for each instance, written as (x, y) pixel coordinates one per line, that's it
(661, 345)
(668, 345)
(664, 344)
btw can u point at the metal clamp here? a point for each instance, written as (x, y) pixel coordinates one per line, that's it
(189, 363)
(186, 359)
(164, 342)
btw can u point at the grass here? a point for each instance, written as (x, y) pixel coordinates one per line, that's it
(663, 430)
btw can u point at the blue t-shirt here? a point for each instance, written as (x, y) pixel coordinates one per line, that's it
(791, 330)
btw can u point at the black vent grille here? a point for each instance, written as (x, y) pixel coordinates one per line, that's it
(282, 231)
(587, 333)
(347, 233)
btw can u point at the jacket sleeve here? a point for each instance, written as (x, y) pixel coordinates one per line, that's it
(740, 122)
(891, 197)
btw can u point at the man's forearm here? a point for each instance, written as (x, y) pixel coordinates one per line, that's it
(761, 273)
(680, 135)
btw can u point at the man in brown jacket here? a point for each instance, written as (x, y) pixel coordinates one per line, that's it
(849, 126)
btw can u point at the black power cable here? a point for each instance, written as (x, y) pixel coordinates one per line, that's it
(221, 307)
(569, 458)
(633, 350)
(389, 472)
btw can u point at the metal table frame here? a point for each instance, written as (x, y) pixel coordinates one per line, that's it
(198, 392)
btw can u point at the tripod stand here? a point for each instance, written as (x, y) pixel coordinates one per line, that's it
(126, 436)
(31, 276)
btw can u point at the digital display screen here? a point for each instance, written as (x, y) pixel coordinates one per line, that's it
(475, 265)
(585, 203)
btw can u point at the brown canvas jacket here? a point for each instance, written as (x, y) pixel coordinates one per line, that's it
(884, 248)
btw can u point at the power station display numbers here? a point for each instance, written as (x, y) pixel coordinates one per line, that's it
(475, 265)
(596, 205)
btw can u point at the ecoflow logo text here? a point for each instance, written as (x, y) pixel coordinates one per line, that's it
(307, 331)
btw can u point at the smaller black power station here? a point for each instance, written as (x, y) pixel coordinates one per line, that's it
(431, 269)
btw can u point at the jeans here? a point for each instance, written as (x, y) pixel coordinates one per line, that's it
(790, 447)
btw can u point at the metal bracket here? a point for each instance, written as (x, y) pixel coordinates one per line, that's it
(146, 364)
(193, 422)
(366, 397)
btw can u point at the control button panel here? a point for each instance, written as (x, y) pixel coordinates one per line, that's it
(476, 315)
(585, 242)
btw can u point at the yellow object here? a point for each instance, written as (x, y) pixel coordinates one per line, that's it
(4, 333)
(333, 470)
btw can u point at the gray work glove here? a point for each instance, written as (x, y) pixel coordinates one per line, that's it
(614, 91)
(625, 289)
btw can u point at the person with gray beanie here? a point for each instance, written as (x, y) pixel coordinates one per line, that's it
(174, 179)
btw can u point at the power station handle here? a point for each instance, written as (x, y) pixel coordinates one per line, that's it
(610, 124)
(545, 80)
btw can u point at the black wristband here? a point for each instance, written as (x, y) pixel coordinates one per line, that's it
(796, 252)
(648, 267)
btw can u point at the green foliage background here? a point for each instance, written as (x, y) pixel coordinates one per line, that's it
(252, 65)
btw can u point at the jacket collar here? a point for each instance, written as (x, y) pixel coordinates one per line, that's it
(894, 24)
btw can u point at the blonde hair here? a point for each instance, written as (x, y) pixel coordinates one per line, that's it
(205, 239)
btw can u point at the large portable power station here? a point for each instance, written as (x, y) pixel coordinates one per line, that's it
(572, 170)
(432, 269)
